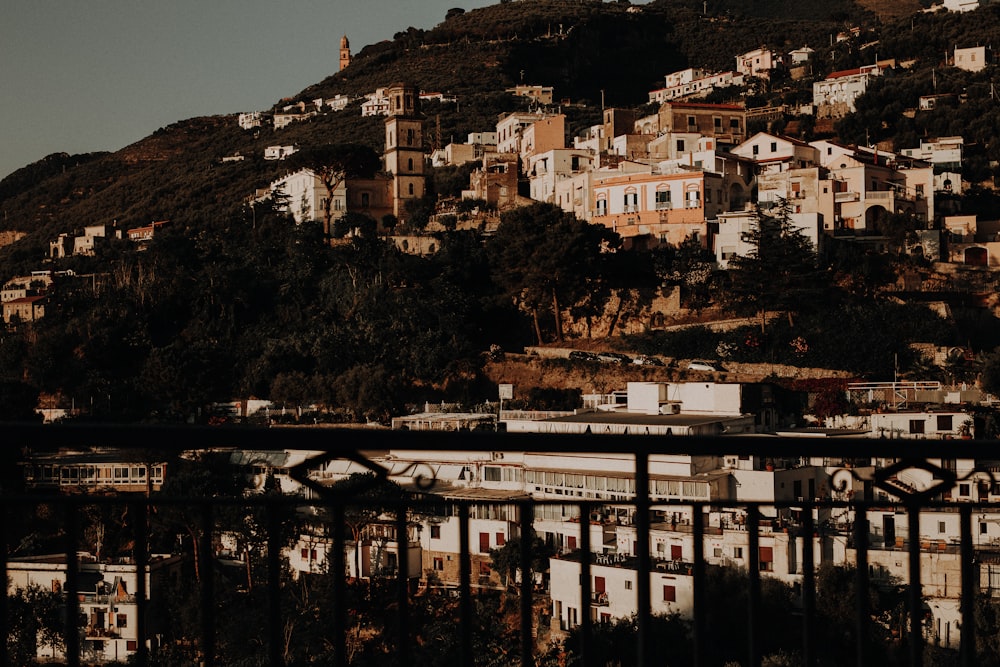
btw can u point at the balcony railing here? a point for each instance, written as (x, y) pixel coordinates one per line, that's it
(358, 446)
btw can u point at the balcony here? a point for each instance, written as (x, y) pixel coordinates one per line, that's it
(803, 531)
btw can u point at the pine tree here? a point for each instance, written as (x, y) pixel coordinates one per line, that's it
(780, 272)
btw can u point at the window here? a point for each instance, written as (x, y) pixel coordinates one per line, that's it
(631, 202)
(409, 164)
(963, 489)
(693, 199)
(438, 564)
(692, 121)
(708, 196)
(941, 527)
(774, 146)
(435, 532)
(717, 122)
(982, 527)
(756, 149)
(602, 207)
(944, 422)
(484, 542)
(409, 137)
(734, 123)
(916, 426)
(728, 251)
(365, 200)
(669, 594)
(304, 553)
(410, 188)
(628, 584)
(131, 645)
(680, 145)
(663, 199)
(737, 552)
(717, 552)
(766, 559)
(491, 474)
(484, 569)
(501, 539)
(121, 621)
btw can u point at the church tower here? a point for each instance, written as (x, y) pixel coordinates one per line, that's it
(345, 53)
(404, 146)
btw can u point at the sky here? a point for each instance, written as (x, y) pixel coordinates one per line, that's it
(79, 76)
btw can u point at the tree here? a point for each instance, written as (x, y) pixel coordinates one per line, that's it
(333, 164)
(780, 270)
(546, 259)
(506, 560)
(990, 378)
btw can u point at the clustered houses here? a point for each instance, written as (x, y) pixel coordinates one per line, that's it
(495, 482)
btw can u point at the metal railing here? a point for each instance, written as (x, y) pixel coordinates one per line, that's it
(355, 444)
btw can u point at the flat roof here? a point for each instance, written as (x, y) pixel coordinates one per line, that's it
(640, 419)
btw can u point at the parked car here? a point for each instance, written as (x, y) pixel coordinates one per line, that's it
(580, 355)
(614, 358)
(643, 360)
(702, 365)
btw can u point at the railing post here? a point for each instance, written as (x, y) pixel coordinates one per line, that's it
(644, 565)
(274, 630)
(698, 533)
(527, 582)
(207, 586)
(914, 596)
(753, 592)
(339, 585)
(140, 518)
(403, 581)
(586, 622)
(5, 626)
(970, 588)
(808, 590)
(72, 588)
(465, 586)
(861, 602)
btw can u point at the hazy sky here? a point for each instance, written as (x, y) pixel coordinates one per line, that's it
(78, 76)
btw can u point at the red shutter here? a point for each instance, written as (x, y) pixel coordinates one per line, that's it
(766, 554)
(669, 594)
(484, 542)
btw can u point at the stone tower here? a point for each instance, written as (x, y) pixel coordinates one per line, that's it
(345, 53)
(404, 146)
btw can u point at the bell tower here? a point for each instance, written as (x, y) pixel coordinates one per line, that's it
(345, 53)
(404, 146)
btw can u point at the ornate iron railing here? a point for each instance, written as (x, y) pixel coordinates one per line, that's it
(357, 445)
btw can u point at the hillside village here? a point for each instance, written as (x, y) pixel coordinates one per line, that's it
(353, 232)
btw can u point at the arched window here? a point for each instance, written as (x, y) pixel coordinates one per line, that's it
(409, 164)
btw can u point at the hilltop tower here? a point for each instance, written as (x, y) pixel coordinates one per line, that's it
(404, 146)
(345, 53)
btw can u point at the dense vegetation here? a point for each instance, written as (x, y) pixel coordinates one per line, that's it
(237, 301)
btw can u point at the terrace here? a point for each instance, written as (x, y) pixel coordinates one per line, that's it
(357, 445)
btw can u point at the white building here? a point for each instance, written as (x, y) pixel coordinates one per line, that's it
(306, 196)
(971, 59)
(758, 62)
(693, 83)
(376, 104)
(107, 599)
(279, 152)
(251, 119)
(732, 226)
(547, 169)
(834, 96)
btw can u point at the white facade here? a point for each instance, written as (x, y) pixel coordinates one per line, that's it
(376, 104)
(306, 196)
(251, 119)
(547, 169)
(834, 96)
(758, 62)
(971, 59)
(732, 227)
(694, 83)
(109, 609)
(279, 152)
